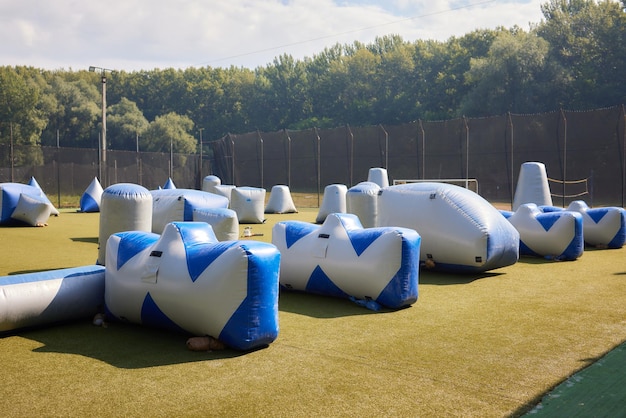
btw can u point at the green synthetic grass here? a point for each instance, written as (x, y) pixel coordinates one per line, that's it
(486, 345)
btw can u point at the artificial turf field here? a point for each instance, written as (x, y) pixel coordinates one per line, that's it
(488, 345)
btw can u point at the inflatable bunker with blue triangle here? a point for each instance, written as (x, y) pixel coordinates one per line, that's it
(186, 280)
(376, 266)
(551, 235)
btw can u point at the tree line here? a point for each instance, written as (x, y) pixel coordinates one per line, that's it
(575, 58)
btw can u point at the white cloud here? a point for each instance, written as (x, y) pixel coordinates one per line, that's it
(145, 34)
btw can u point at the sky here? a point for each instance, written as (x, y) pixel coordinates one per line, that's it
(136, 35)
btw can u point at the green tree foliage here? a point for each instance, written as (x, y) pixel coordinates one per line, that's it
(511, 77)
(573, 59)
(587, 40)
(170, 132)
(125, 124)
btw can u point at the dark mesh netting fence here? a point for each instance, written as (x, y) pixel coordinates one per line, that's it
(584, 154)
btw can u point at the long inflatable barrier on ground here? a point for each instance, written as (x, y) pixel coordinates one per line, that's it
(35, 299)
(461, 232)
(186, 280)
(552, 235)
(340, 258)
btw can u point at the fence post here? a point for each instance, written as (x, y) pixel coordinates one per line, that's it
(421, 126)
(288, 157)
(258, 133)
(319, 180)
(386, 146)
(350, 139)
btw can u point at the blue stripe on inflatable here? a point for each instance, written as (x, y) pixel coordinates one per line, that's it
(320, 283)
(362, 239)
(548, 219)
(132, 243)
(88, 204)
(597, 214)
(152, 316)
(199, 256)
(402, 289)
(295, 230)
(255, 322)
(51, 275)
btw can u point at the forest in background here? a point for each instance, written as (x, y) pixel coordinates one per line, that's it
(573, 59)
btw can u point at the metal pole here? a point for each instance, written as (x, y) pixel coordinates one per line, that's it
(104, 129)
(200, 163)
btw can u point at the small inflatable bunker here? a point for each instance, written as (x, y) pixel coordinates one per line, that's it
(340, 258)
(461, 232)
(552, 235)
(91, 198)
(47, 297)
(603, 227)
(24, 203)
(172, 205)
(186, 280)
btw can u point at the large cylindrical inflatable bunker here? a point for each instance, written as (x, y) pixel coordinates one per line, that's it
(124, 207)
(552, 235)
(340, 258)
(172, 205)
(461, 231)
(186, 280)
(47, 297)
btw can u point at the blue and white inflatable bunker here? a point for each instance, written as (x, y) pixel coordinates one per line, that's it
(340, 258)
(552, 235)
(603, 227)
(461, 232)
(24, 203)
(186, 280)
(174, 205)
(91, 198)
(35, 299)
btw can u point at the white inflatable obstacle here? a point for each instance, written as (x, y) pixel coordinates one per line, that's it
(340, 258)
(461, 231)
(603, 227)
(213, 184)
(169, 184)
(92, 197)
(35, 299)
(24, 203)
(334, 201)
(280, 201)
(32, 182)
(124, 207)
(379, 176)
(249, 203)
(552, 235)
(223, 221)
(186, 280)
(362, 201)
(532, 186)
(170, 205)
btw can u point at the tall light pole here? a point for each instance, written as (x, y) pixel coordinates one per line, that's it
(201, 129)
(103, 141)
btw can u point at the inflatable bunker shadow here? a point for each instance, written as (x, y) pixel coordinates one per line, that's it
(461, 232)
(173, 205)
(552, 235)
(48, 297)
(603, 227)
(24, 203)
(186, 280)
(340, 258)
